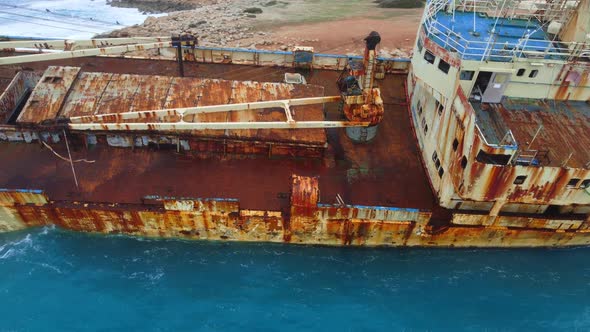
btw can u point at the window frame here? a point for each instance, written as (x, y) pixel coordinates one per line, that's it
(427, 54)
(446, 66)
(463, 73)
(534, 73)
(520, 179)
(573, 183)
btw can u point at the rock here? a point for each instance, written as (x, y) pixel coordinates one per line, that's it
(150, 20)
(196, 24)
(253, 10)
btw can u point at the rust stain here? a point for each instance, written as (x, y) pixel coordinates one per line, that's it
(305, 191)
(439, 51)
(581, 87)
(48, 97)
(91, 93)
(216, 220)
(15, 91)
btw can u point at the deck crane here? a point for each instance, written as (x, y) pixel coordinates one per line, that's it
(361, 100)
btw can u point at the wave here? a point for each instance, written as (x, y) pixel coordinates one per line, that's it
(16, 248)
(71, 19)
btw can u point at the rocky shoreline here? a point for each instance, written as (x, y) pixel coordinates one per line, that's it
(155, 6)
(226, 23)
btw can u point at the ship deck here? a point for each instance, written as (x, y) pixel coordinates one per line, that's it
(563, 128)
(386, 172)
(469, 34)
(90, 93)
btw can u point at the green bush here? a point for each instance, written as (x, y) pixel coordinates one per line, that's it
(253, 10)
(400, 3)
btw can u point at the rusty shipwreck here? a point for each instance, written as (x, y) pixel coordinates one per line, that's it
(479, 140)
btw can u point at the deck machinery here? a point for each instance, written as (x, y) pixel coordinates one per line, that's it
(361, 100)
(482, 139)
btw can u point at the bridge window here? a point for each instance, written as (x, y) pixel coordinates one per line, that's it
(573, 183)
(520, 72)
(420, 45)
(443, 66)
(533, 73)
(585, 184)
(429, 56)
(466, 75)
(520, 179)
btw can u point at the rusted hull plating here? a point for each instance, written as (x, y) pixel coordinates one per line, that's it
(307, 223)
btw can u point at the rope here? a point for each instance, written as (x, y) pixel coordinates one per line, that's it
(66, 159)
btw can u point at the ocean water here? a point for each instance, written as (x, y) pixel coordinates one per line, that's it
(72, 19)
(55, 280)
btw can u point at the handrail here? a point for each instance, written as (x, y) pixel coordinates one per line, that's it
(507, 51)
(512, 146)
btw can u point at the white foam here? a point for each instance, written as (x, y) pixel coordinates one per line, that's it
(16, 247)
(67, 19)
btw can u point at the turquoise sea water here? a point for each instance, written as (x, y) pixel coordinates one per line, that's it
(53, 280)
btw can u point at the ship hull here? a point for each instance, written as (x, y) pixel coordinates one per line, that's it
(224, 220)
(388, 199)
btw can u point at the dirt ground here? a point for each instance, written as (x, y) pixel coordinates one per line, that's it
(397, 34)
(329, 26)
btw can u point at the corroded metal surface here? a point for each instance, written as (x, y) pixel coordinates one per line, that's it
(65, 96)
(82, 53)
(15, 93)
(222, 219)
(565, 131)
(22, 196)
(386, 172)
(85, 94)
(470, 183)
(305, 191)
(48, 96)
